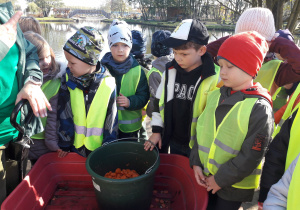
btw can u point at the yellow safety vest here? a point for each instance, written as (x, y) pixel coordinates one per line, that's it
(130, 121)
(294, 146)
(218, 145)
(293, 201)
(266, 75)
(50, 89)
(89, 127)
(206, 85)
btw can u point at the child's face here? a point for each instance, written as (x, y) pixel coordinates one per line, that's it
(234, 77)
(78, 67)
(120, 52)
(45, 60)
(189, 59)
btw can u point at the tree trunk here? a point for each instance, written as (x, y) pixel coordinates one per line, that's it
(294, 16)
(279, 14)
(254, 3)
(260, 3)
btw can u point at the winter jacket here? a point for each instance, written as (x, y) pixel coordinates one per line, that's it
(274, 166)
(141, 97)
(253, 148)
(168, 84)
(288, 72)
(50, 143)
(277, 197)
(28, 66)
(65, 124)
(154, 79)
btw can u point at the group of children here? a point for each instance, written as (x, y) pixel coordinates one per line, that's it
(224, 131)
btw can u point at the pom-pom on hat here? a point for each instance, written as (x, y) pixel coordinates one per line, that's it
(86, 45)
(257, 19)
(189, 30)
(157, 48)
(119, 32)
(139, 43)
(245, 50)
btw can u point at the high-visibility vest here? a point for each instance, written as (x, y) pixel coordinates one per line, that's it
(50, 89)
(89, 127)
(266, 75)
(206, 85)
(293, 201)
(216, 146)
(288, 111)
(294, 146)
(130, 121)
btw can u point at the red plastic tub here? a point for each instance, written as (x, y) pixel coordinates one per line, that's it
(64, 183)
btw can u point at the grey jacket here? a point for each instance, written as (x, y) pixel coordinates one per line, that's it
(154, 79)
(235, 170)
(277, 196)
(28, 66)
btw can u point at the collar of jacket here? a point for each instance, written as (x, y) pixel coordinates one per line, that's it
(208, 68)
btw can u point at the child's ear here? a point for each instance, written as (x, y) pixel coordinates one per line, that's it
(202, 50)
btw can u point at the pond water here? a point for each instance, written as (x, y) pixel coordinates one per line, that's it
(58, 33)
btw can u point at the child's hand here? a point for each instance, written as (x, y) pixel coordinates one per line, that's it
(123, 101)
(61, 153)
(200, 178)
(154, 138)
(212, 185)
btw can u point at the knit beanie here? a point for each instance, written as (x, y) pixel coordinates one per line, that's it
(119, 32)
(157, 48)
(257, 19)
(285, 34)
(245, 50)
(86, 45)
(139, 43)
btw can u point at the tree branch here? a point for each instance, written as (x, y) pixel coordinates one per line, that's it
(228, 7)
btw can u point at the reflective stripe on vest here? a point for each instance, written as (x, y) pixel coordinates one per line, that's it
(89, 128)
(217, 146)
(288, 111)
(50, 89)
(294, 146)
(267, 73)
(130, 121)
(293, 201)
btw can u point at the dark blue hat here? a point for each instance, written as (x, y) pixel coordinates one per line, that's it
(157, 48)
(285, 34)
(139, 43)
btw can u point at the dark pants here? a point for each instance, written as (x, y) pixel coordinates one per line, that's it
(217, 203)
(128, 135)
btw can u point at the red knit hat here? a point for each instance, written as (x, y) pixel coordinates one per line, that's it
(245, 50)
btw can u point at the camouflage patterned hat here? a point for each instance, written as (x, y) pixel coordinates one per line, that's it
(86, 45)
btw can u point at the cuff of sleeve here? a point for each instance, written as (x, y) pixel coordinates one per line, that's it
(157, 129)
(219, 182)
(33, 80)
(4, 50)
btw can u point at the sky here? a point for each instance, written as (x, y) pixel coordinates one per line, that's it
(86, 3)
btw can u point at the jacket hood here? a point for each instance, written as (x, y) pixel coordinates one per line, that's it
(160, 63)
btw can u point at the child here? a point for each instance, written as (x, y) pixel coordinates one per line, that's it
(285, 193)
(261, 20)
(86, 112)
(162, 56)
(30, 24)
(46, 141)
(131, 80)
(181, 95)
(139, 47)
(234, 129)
